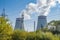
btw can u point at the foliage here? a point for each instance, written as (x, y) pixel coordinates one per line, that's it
(7, 33)
(19, 35)
(57, 26)
(54, 23)
(5, 29)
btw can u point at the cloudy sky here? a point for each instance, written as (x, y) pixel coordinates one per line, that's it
(31, 9)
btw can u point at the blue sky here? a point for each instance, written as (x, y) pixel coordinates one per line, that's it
(14, 7)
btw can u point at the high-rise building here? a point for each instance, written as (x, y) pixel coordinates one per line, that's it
(20, 23)
(42, 22)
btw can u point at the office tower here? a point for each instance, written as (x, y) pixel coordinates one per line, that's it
(42, 22)
(20, 23)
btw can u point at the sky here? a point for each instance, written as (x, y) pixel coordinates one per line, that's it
(13, 9)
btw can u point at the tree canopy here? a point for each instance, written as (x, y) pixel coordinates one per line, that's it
(7, 33)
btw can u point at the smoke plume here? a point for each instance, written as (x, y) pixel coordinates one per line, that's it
(41, 7)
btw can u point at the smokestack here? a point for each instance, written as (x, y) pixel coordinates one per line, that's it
(42, 22)
(20, 23)
(34, 25)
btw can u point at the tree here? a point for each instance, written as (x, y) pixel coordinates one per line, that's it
(56, 24)
(19, 35)
(5, 29)
(31, 36)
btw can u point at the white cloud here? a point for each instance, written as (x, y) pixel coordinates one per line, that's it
(31, 8)
(41, 2)
(27, 17)
(58, 1)
(41, 7)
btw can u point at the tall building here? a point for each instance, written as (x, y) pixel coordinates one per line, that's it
(42, 22)
(20, 23)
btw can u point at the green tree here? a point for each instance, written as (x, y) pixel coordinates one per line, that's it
(45, 35)
(5, 29)
(31, 36)
(19, 35)
(56, 24)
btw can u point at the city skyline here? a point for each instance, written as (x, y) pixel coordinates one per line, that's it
(14, 7)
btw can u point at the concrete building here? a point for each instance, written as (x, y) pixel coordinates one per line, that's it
(53, 28)
(42, 22)
(20, 23)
